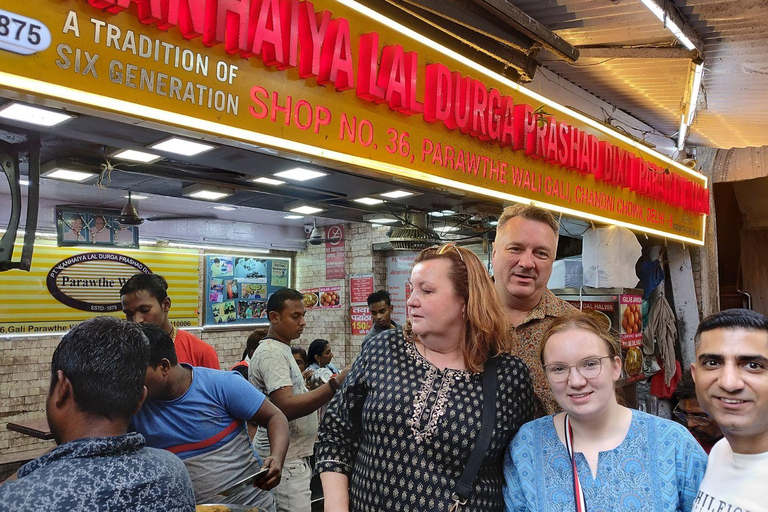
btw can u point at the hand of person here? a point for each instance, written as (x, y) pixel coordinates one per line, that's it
(343, 374)
(307, 374)
(273, 476)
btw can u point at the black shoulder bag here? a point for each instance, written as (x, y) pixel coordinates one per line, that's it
(464, 487)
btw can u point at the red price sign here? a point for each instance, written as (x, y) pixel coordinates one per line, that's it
(360, 319)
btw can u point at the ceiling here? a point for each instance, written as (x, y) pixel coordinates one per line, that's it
(732, 111)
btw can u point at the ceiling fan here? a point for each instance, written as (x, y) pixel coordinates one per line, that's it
(129, 216)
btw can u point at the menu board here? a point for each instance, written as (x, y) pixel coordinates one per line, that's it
(237, 287)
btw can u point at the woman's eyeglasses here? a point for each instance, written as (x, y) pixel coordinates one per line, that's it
(589, 368)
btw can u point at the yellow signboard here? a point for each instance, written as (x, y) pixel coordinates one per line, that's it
(337, 81)
(67, 285)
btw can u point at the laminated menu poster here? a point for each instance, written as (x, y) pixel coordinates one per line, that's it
(238, 287)
(322, 298)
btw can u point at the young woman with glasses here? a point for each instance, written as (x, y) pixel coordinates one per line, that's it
(597, 454)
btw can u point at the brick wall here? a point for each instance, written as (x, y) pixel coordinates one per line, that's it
(334, 324)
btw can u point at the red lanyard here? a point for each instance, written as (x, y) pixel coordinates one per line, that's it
(578, 493)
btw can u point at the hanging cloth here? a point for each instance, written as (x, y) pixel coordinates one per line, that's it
(662, 328)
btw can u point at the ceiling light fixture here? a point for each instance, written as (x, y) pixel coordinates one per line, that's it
(225, 208)
(306, 210)
(682, 133)
(695, 87)
(33, 115)
(136, 196)
(300, 174)
(442, 213)
(269, 181)
(397, 194)
(136, 156)
(68, 170)
(24, 183)
(380, 219)
(181, 146)
(293, 217)
(369, 200)
(664, 17)
(446, 229)
(206, 192)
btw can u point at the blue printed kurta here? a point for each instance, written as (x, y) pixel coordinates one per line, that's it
(101, 474)
(658, 466)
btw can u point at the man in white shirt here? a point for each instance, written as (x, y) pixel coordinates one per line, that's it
(274, 372)
(731, 375)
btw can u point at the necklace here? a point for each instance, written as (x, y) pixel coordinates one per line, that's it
(174, 331)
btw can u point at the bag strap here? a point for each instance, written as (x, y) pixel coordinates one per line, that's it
(464, 486)
(578, 492)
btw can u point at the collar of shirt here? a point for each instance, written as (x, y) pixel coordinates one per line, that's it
(548, 305)
(86, 447)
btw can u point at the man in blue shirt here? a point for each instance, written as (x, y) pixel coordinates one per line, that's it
(97, 383)
(201, 415)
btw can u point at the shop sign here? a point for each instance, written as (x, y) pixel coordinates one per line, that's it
(335, 261)
(88, 281)
(398, 284)
(360, 287)
(67, 285)
(336, 81)
(360, 318)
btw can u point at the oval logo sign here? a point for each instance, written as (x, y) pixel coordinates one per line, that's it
(23, 35)
(91, 281)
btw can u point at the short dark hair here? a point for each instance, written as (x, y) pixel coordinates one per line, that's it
(278, 299)
(736, 318)
(160, 346)
(301, 352)
(105, 360)
(252, 343)
(155, 284)
(379, 296)
(316, 348)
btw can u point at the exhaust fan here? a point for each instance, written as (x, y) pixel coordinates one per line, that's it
(415, 235)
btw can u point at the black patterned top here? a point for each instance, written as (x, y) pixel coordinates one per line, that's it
(104, 474)
(402, 430)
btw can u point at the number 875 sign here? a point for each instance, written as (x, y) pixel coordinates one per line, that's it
(23, 35)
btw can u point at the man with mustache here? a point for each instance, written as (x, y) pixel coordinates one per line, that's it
(523, 254)
(731, 375)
